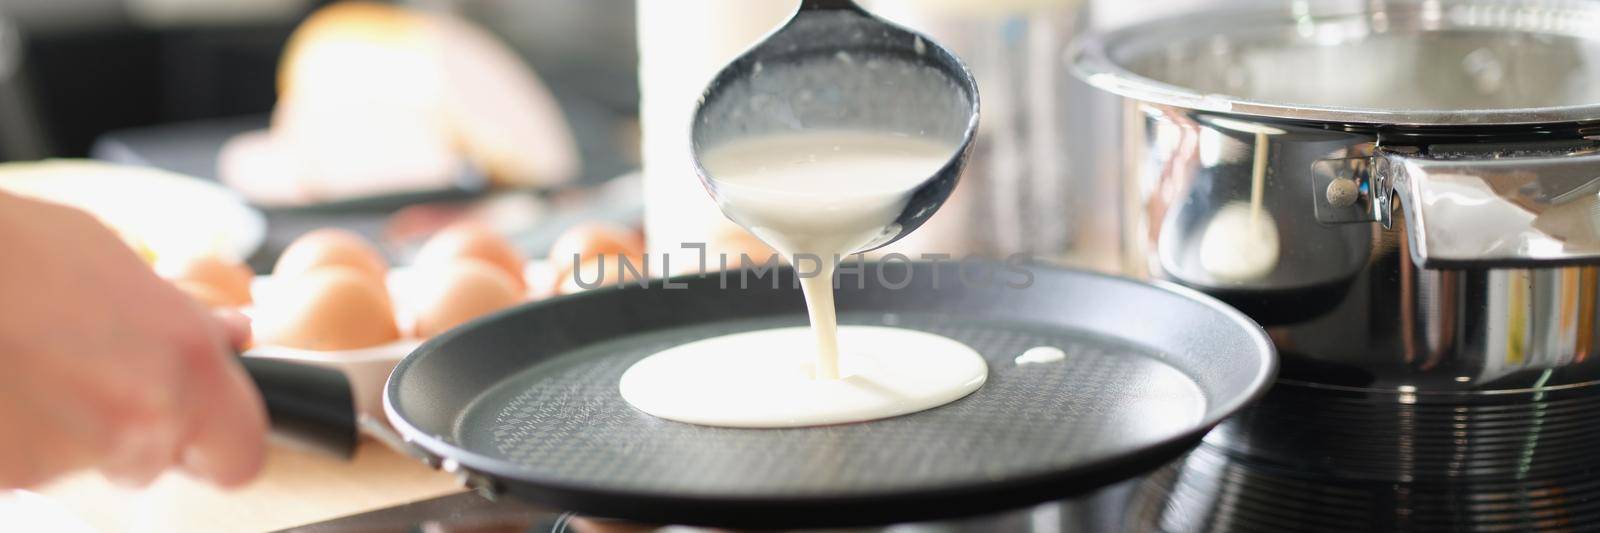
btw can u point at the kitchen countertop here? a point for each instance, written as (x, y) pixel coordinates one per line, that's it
(295, 488)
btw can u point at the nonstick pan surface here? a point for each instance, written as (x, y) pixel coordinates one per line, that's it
(527, 399)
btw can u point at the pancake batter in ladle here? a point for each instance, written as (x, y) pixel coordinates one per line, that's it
(820, 195)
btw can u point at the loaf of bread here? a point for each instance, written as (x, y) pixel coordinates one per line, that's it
(374, 98)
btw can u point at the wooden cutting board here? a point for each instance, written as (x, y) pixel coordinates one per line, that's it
(296, 488)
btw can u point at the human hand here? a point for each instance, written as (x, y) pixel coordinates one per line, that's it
(106, 366)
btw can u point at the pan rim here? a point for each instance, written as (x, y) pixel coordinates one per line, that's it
(499, 471)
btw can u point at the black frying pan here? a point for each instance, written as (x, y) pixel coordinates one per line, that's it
(525, 402)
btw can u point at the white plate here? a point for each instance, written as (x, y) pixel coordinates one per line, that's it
(29, 511)
(171, 214)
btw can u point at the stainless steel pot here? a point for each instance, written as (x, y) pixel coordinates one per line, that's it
(1406, 193)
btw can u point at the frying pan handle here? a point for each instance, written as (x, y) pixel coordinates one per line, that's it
(308, 405)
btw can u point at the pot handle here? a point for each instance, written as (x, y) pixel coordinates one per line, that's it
(1522, 206)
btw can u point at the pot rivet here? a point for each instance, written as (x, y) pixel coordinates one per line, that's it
(1342, 192)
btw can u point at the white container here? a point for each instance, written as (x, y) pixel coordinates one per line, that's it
(1030, 187)
(682, 45)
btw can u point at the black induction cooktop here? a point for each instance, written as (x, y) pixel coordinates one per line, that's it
(468, 512)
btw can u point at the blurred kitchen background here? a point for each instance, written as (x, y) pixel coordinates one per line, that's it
(76, 70)
(171, 83)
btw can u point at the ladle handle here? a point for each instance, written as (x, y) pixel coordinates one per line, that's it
(806, 5)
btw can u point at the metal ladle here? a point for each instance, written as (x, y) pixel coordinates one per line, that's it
(834, 67)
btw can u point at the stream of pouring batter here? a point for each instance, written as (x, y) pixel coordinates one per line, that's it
(819, 195)
(1258, 181)
(1240, 242)
(811, 196)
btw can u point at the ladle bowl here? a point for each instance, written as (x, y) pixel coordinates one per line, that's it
(834, 67)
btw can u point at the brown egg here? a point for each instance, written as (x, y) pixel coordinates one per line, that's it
(459, 291)
(229, 281)
(474, 241)
(587, 241)
(601, 271)
(330, 308)
(595, 238)
(204, 294)
(331, 247)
